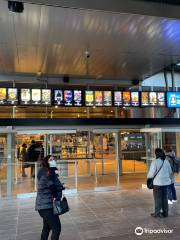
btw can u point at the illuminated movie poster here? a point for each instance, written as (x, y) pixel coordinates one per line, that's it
(161, 98)
(12, 95)
(173, 99)
(126, 99)
(89, 98)
(107, 98)
(25, 96)
(58, 97)
(117, 98)
(36, 96)
(2, 95)
(68, 97)
(98, 98)
(153, 98)
(77, 98)
(144, 98)
(46, 96)
(135, 99)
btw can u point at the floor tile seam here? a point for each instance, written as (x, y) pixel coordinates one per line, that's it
(17, 222)
(90, 210)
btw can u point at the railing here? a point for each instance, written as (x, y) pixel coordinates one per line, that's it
(69, 170)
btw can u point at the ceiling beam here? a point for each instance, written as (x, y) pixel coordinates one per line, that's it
(32, 79)
(120, 6)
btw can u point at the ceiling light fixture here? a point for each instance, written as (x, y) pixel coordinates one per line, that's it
(14, 6)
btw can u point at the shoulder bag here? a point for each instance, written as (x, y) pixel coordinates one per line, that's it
(150, 180)
(60, 206)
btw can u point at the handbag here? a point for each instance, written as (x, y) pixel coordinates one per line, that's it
(150, 184)
(60, 206)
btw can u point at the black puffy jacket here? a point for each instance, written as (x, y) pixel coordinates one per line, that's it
(49, 187)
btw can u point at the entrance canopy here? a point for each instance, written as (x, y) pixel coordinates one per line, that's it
(53, 41)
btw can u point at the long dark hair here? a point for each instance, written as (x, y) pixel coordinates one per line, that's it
(44, 162)
(160, 153)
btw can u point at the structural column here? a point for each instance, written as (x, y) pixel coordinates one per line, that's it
(118, 153)
(10, 162)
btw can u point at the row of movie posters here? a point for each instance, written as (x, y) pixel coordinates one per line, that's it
(98, 98)
(126, 99)
(68, 97)
(8, 95)
(35, 96)
(89, 97)
(152, 99)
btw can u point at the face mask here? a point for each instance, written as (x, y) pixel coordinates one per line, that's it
(52, 163)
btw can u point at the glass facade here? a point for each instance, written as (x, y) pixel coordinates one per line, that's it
(87, 159)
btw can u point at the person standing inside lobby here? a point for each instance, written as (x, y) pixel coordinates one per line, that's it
(33, 156)
(24, 158)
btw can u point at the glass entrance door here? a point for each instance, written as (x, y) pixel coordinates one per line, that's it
(106, 160)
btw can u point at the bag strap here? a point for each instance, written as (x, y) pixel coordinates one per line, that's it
(158, 170)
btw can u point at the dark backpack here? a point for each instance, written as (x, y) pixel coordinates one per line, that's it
(175, 164)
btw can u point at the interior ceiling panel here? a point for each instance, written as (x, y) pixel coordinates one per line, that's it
(53, 40)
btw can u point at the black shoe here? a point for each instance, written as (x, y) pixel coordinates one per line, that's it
(164, 215)
(155, 215)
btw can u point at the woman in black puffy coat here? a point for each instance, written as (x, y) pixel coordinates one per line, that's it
(49, 188)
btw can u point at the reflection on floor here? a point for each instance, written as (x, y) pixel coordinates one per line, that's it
(100, 216)
(84, 183)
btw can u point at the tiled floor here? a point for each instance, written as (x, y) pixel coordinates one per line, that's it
(103, 216)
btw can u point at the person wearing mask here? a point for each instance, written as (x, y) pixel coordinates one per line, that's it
(33, 156)
(24, 159)
(170, 156)
(49, 189)
(162, 180)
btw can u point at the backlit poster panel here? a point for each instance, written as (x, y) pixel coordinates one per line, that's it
(135, 99)
(12, 95)
(126, 99)
(173, 99)
(161, 98)
(68, 97)
(58, 97)
(107, 98)
(2, 95)
(36, 96)
(98, 98)
(152, 98)
(77, 98)
(46, 96)
(89, 98)
(25, 96)
(144, 98)
(117, 98)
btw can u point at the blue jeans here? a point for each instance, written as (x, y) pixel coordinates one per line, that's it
(172, 192)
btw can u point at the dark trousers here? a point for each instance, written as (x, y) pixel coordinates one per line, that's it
(161, 200)
(50, 222)
(172, 192)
